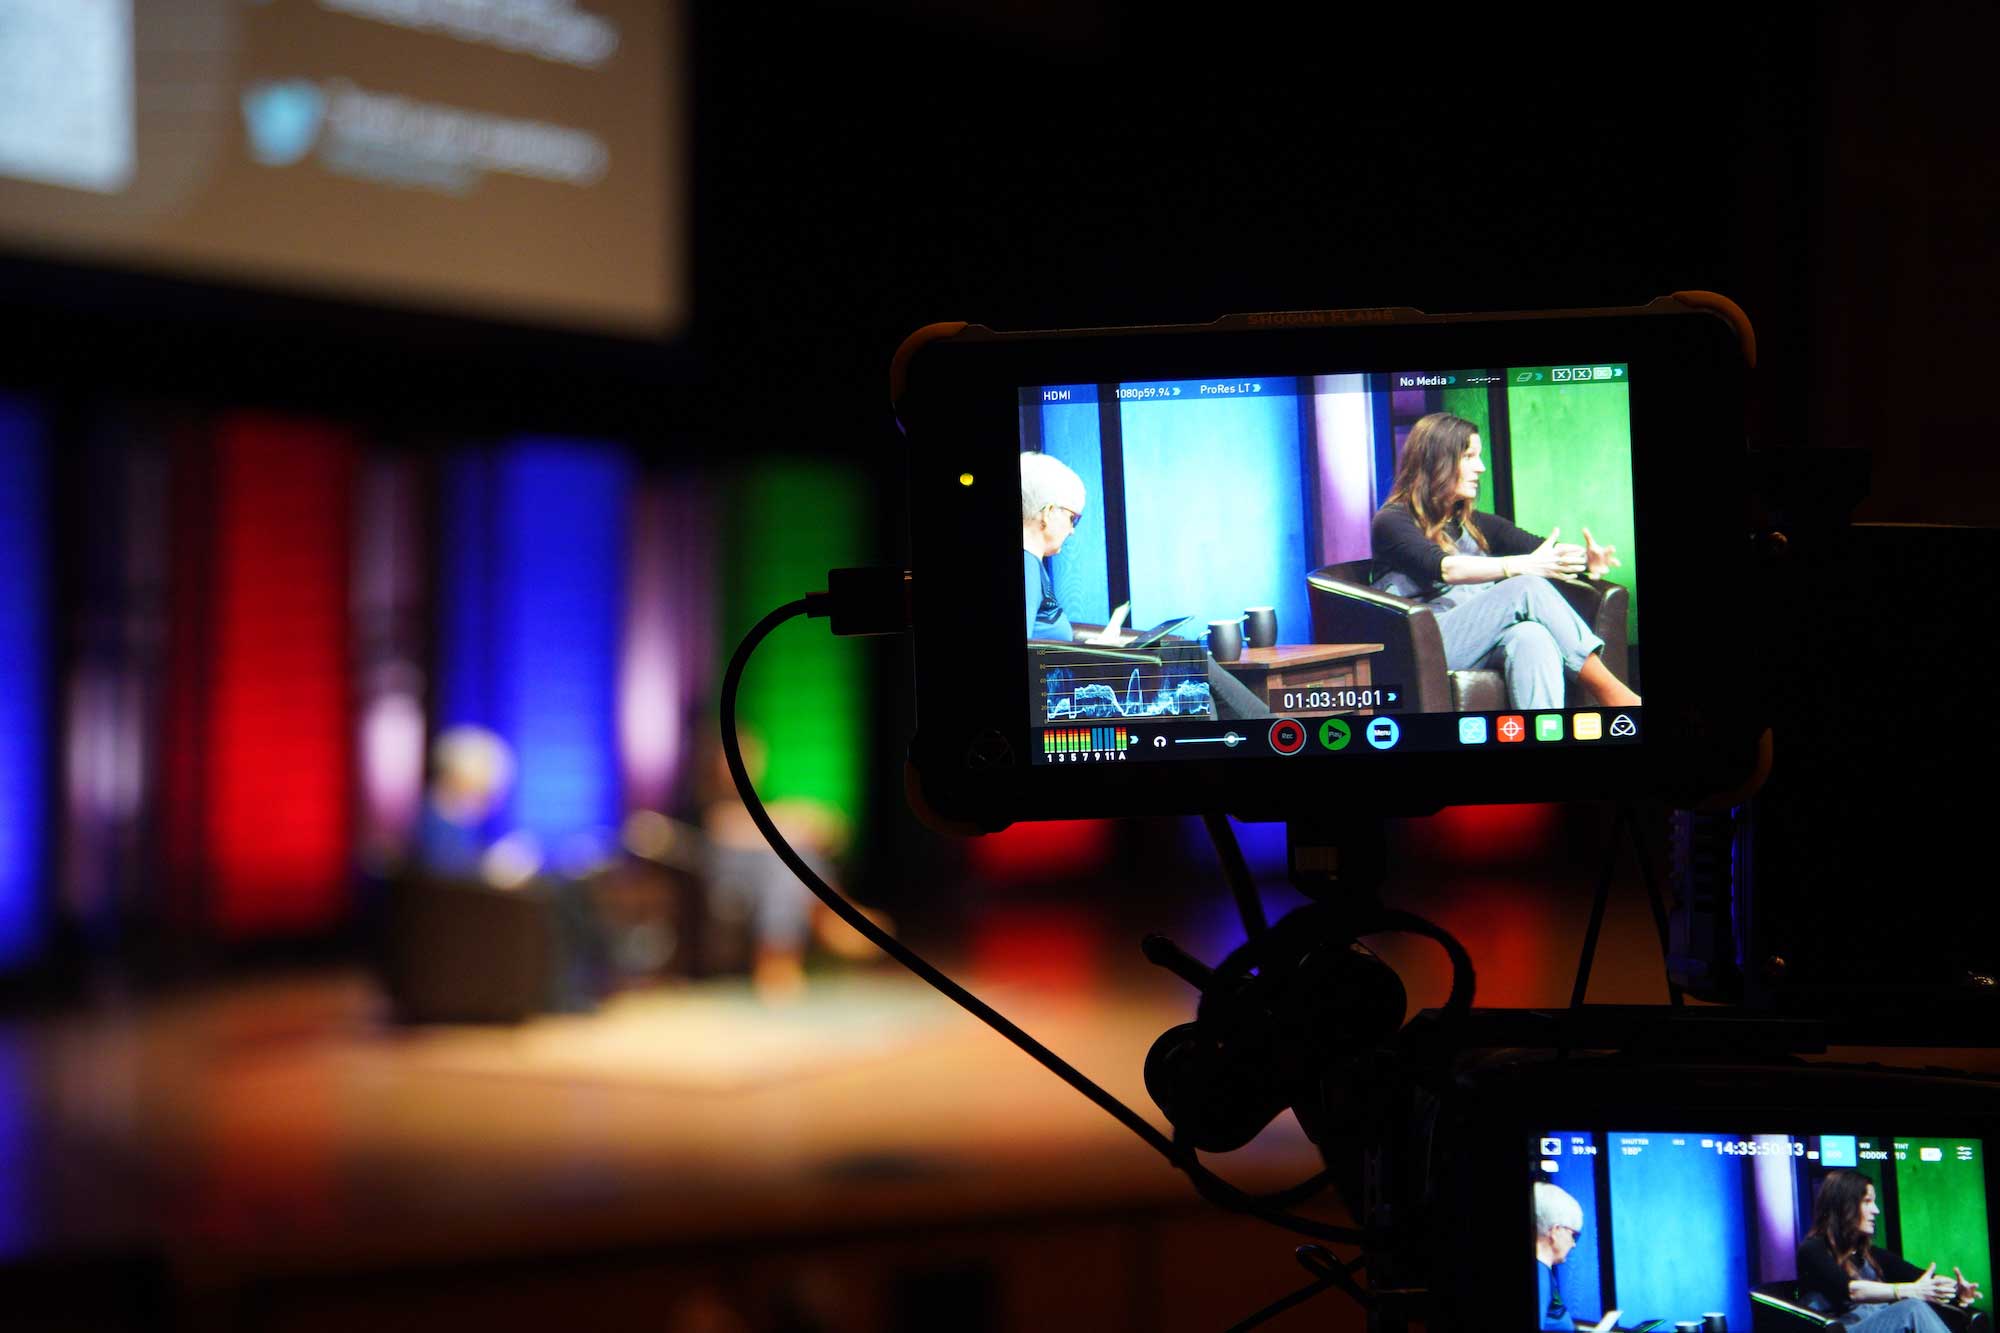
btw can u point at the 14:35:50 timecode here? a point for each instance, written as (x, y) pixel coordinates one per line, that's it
(1761, 1148)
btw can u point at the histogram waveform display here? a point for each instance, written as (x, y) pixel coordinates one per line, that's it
(1167, 694)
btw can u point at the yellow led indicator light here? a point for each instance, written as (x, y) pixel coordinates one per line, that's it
(965, 478)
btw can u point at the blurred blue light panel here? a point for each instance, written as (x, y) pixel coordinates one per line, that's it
(561, 509)
(1215, 926)
(534, 573)
(24, 708)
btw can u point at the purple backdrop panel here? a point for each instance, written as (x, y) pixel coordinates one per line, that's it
(111, 726)
(388, 600)
(1343, 421)
(669, 639)
(1776, 1182)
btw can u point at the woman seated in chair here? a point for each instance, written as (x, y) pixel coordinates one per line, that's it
(1486, 579)
(1865, 1288)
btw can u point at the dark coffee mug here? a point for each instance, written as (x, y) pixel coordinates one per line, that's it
(1712, 1322)
(1225, 639)
(1260, 626)
(1688, 1326)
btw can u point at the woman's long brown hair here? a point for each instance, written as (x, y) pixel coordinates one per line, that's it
(1427, 477)
(1837, 1218)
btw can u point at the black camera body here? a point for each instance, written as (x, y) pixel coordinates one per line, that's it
(1242, 495)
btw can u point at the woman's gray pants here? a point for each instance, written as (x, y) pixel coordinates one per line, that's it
(1522, 627)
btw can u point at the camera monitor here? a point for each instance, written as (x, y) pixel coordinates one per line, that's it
(1717, 1229)
(1426, 559)
(1304, 517)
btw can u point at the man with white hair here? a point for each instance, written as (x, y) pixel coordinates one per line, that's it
(1052, 501)
(1558, 1220)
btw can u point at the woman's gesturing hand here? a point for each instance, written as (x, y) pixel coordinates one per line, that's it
(1550, 559)
(1597, 558)
(1931, 1287)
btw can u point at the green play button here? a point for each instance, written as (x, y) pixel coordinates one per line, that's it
(1335, 734)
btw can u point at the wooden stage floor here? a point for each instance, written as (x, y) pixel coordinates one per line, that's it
(290, 1160)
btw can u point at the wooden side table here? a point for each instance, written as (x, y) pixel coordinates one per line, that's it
(1303, 671)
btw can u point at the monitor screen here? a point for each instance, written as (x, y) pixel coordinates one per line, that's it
(1331, 565)
(515, 159)
(1683, 1228)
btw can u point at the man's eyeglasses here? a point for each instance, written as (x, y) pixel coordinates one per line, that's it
(1074, 517)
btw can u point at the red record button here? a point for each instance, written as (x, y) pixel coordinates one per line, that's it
(1288, 736)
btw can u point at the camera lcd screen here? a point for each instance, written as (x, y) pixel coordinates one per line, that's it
(1331, 565)
(1721, 1231)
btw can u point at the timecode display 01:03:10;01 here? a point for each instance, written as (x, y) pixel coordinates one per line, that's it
(1292, 701)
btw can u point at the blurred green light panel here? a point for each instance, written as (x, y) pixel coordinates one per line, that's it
(1571, 448)
(805, 692)
(1941, 1208)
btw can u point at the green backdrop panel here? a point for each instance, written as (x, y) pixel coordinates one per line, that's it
(1570, 456)
(805, 693)
(1941, 1208)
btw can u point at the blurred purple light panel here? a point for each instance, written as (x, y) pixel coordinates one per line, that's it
(111, 710)
(388, 611)
(669, 639)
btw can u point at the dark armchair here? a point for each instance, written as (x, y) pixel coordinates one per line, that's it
(1345, 609)
(1780, 1307)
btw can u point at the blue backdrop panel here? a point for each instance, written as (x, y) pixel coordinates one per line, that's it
(1215, 510)
(1083, 584)
(1581, 1275)
(561, 508)
(533, 589)
(1678, 1235)
(24, 648)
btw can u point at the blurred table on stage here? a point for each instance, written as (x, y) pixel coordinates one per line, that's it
(1306, 668)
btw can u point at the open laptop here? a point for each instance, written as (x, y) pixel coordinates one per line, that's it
(1158, 633)
(1112, 635)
